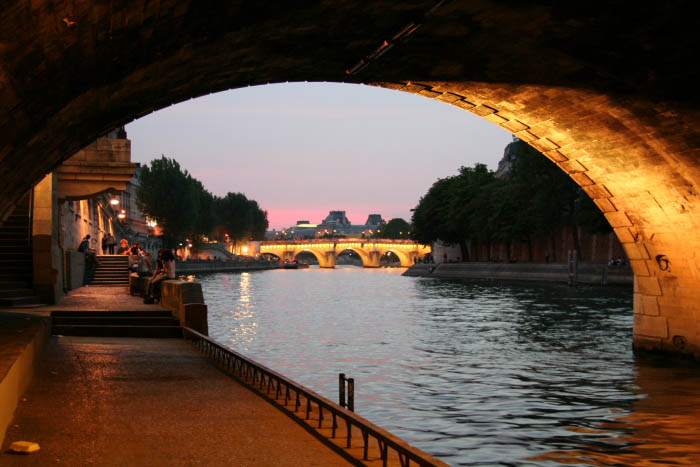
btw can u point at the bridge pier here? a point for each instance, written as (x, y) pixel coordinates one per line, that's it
(372, 259)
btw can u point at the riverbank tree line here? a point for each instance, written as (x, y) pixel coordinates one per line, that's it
(532, 202)
(186, 211)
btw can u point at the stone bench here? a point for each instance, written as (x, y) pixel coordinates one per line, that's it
(184, 299)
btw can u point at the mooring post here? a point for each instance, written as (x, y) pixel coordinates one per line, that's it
(341, 389)
(351, 394)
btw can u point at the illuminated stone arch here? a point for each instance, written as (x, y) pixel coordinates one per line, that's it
(623, 124)
(326, 258)
(404, 257)
(364, 255)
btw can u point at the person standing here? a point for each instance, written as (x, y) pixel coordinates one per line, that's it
(111, 243)
(104, 245)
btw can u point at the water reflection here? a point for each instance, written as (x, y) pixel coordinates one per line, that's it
(474, 373)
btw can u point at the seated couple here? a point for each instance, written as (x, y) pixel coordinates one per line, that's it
(165, 269)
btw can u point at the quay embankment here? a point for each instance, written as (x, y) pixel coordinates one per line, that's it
(586, 273)
(115, 399)
(200, 266)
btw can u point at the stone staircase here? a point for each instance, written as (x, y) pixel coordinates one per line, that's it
(156, 323)
(113, 271)
(16, 268)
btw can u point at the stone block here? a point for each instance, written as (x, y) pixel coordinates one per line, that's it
(624, 234)
(555, 156)
(582, 179)
(514, 126)
(618, 219)
(647, 285)
(597, 191)
(639, 267)
(650, 305)
(495, 118)
(650, 326)
(635, 251)
(483, 110)
(646, 343)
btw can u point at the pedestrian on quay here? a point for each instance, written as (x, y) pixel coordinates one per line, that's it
(111, 243)
(90, 254)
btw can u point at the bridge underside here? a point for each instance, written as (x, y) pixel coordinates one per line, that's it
(609, 94)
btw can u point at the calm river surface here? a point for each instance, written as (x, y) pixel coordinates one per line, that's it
(474, 373)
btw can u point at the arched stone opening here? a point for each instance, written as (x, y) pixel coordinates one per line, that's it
(366, 262)
(326, 259)
(623, 125)
(404, 258)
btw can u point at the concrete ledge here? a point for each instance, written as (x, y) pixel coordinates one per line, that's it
(19, 354)
(588, 273)
(184, 299)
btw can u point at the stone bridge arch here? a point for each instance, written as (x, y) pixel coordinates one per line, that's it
(365, 256)
(612, 103)
(326, 258)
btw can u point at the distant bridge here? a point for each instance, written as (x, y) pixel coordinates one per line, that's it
(327, 251)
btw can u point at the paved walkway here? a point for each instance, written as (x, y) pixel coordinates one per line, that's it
(141, 402)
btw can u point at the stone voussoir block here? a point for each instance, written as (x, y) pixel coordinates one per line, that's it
(650, 326)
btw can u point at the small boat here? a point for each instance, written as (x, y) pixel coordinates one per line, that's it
(295, 265)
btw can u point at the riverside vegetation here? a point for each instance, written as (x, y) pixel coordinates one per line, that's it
(528, 203)
(186, 210)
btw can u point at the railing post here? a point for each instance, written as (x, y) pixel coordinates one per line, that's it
(341, 389)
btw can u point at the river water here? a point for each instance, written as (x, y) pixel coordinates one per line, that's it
(475, 373)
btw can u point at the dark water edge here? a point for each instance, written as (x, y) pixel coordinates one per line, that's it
(473, 372)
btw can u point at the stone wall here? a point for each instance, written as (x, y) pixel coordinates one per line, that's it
(595, 274)
(206, 266)
(183, 298)
(75, 270)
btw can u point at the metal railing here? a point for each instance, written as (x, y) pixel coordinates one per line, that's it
(312, 408)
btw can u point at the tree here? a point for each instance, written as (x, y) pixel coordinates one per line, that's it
(168, 195)
(396, 228)
(240, 217)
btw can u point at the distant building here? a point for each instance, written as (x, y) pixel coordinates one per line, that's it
(336, 224)
(375, 220)
(336, 218)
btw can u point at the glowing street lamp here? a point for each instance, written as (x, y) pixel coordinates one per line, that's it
(114, 202)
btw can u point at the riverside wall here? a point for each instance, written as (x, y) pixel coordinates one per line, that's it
(204, 266)
(588, 273)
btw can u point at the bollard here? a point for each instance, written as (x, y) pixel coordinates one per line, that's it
(341, 389)
(351, 394)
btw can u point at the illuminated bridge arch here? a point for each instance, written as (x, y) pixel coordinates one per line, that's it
(624, 124)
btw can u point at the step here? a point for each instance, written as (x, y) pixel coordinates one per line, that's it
(7, 284)
(113, 313)
(116, 320)
(117, 331)
(99, 284)
(16, 292)
(17, 301)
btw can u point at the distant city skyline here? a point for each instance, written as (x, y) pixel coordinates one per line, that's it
(304, 149)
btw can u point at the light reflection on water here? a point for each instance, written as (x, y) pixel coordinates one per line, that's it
(474, 373)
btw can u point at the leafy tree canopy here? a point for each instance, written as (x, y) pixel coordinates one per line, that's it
(184, 208)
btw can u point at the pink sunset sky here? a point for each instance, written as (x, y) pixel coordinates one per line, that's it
(303, 149)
